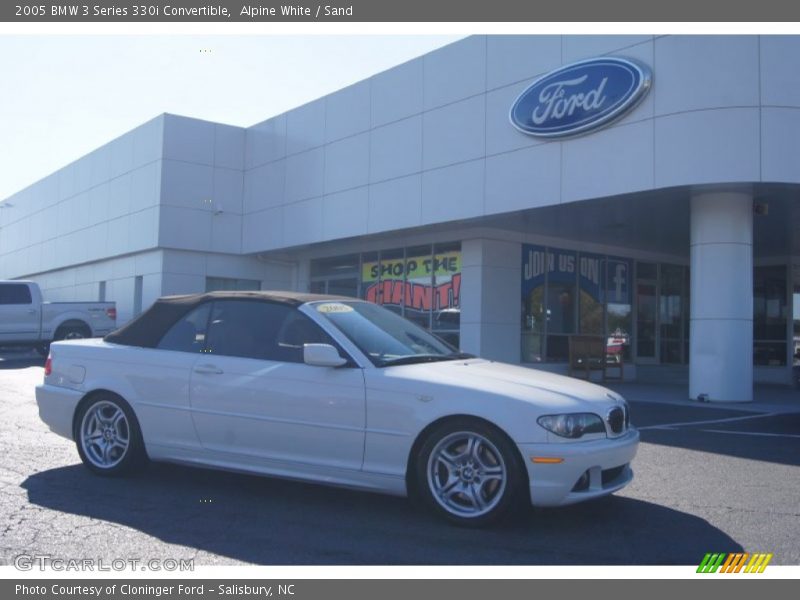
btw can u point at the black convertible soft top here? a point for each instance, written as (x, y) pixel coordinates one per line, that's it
(148, 328)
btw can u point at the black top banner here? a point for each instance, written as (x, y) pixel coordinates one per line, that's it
(107, 11)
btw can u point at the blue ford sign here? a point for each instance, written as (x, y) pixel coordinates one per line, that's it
(580, 97)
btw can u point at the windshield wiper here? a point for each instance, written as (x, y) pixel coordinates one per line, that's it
(423, 358)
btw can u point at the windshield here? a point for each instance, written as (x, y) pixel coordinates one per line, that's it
(386, 338)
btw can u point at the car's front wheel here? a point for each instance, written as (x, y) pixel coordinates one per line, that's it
(469, 472)
(107, 435)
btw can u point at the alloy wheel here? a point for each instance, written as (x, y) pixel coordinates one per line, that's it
(105, 434)
(467, 474)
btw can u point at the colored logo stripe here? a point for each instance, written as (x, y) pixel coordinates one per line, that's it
(734, 562)
(739, 559)
(726, 567)
(758, 563)
(710, 563)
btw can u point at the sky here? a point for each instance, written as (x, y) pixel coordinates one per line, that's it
(64, 96)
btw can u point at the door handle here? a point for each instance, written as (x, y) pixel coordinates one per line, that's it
(208, 370)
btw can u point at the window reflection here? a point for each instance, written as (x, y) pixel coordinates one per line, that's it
(421, 283)
(566, 293)
(769, 315)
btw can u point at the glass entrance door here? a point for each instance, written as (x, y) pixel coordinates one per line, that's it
(795, 348)
(662, 313)
(647, 313)
(646, 330)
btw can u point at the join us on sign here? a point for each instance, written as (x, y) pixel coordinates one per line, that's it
(580, 97)
(596, 274)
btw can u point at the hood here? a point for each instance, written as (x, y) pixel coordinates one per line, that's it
(524, 383)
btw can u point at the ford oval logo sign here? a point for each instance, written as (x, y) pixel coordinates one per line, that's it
(580, 97)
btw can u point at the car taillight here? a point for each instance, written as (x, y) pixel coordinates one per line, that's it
(112, 313)
(48, 366)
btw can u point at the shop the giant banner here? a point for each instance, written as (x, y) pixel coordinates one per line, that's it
(421, 283)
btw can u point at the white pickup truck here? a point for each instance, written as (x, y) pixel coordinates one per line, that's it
(27, 321)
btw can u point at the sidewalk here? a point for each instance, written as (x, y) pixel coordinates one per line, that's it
(766, 398)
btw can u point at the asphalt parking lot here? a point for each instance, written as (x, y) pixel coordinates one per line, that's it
(707, 479)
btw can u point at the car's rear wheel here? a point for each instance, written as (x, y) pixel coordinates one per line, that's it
(107, 435)
(469, 472)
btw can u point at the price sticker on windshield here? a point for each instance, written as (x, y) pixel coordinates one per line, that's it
(334, 307)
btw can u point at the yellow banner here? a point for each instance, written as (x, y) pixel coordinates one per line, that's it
(413, 267)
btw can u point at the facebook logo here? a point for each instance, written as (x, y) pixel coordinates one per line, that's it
(618, 281)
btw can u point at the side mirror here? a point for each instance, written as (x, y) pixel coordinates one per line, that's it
(322, 355)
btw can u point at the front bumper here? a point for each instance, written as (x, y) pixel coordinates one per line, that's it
(552, 484)
(57, 407)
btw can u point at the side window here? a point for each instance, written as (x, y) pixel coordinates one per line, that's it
(296, 331)
(15, 293)
(261, 330)
(188, 334)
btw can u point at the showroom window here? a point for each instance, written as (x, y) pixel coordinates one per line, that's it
(566, 293)
(421, 283)
(591, 272)
(446, 315)
(673, 313)
(619, 305)
(796, 315)
(770, 315)
(387, 280)
(337, 276)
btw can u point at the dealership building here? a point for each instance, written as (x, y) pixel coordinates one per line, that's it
(509, 193)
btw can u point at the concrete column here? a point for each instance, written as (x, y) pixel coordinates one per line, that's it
(491, 291)
(721, 333)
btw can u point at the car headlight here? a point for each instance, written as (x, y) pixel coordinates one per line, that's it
(572, 425)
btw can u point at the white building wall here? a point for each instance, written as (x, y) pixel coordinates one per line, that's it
(423, 143)
(201, 187)
(102, 205)
(429, 141)
(82, 283)
(185, 272)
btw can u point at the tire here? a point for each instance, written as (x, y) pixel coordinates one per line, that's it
(72, 332)
(470, 473)
(108, 436)
(43, 350)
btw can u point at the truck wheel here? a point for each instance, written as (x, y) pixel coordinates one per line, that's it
(71, 332)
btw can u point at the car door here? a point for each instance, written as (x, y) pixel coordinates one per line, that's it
(19, 318)
(160, 378)
(254, 398)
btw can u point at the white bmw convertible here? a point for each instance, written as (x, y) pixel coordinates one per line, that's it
(336, 391)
